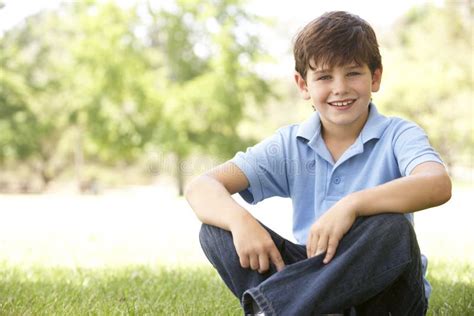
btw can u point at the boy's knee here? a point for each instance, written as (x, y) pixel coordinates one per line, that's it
(217, 244)
(211, 235)
(205, 234)
(390, 222)
(395, 227)
(389, 227)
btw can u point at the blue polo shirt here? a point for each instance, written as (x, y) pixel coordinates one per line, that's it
(295, 162)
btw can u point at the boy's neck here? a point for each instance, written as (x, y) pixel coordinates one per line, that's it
(343, 134)
(339, 138)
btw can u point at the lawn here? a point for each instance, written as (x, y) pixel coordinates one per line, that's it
(146, 290)
(130, 252)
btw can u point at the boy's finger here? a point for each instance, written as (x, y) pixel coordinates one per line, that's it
(263, 263)
(314, 245)
(254, 262)
(244, 262)
(332, 246)
(277, 260)
(322, 245)
(308, 245)
(311, 246)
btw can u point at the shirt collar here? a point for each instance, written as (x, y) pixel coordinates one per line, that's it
(373, 128)
(375, 125)
(310, 128)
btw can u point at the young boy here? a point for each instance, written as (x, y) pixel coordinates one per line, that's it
(354, 177)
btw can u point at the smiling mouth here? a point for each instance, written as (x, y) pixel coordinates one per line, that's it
(342, 103)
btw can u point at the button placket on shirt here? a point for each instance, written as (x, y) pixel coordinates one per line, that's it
(336, 183)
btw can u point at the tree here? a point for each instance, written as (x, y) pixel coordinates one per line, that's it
(33, 90)
(209, 57)
(120, 101)
(75, 82)
(96, 81)
(428, 75)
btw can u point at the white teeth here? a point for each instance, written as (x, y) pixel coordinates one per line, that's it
(344, 103)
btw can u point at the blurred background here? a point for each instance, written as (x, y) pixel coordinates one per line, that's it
(108, 109)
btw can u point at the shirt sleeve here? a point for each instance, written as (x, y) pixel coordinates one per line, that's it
(264, 167)
(412, 148)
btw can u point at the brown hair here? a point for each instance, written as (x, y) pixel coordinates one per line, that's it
(335, 39)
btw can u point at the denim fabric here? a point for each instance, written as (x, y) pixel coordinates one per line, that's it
(376, 271)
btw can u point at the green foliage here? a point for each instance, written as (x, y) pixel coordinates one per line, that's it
(97, 81)
(428, 67)
(172, 291)
(106, 83)
(209, 59)
(120, 105)
(33, 91)
(209, 56)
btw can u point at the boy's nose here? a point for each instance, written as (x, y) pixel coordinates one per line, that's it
(339, 87)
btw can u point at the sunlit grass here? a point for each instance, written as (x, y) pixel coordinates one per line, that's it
(127, 234)
(134, 290)
(453, 288)
(145, 290)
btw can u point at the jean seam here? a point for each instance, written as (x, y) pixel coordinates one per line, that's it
(257, 296)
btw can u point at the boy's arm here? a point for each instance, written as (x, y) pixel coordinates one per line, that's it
(210, 197)
(427, 186)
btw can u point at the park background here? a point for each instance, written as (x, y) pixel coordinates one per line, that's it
(108, 108)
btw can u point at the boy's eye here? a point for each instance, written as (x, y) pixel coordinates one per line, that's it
(326, 77)
(353, 73)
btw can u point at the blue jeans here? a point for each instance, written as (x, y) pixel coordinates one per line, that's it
(376, 271)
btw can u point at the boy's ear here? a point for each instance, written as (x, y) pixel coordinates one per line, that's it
(376, 79)
(301, 83)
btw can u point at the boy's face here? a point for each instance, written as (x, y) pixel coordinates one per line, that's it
(340, 94)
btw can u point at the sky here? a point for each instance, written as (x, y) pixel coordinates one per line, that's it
(289, 16)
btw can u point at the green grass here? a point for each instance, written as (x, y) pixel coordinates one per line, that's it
(453, 288)
(118, 291)
(144, 290)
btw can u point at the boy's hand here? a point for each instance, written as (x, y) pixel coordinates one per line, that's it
(254, 246)
(328, 230)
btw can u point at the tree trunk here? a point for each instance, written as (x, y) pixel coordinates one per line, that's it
(180, 174)
(78, 158)
(46, 177)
